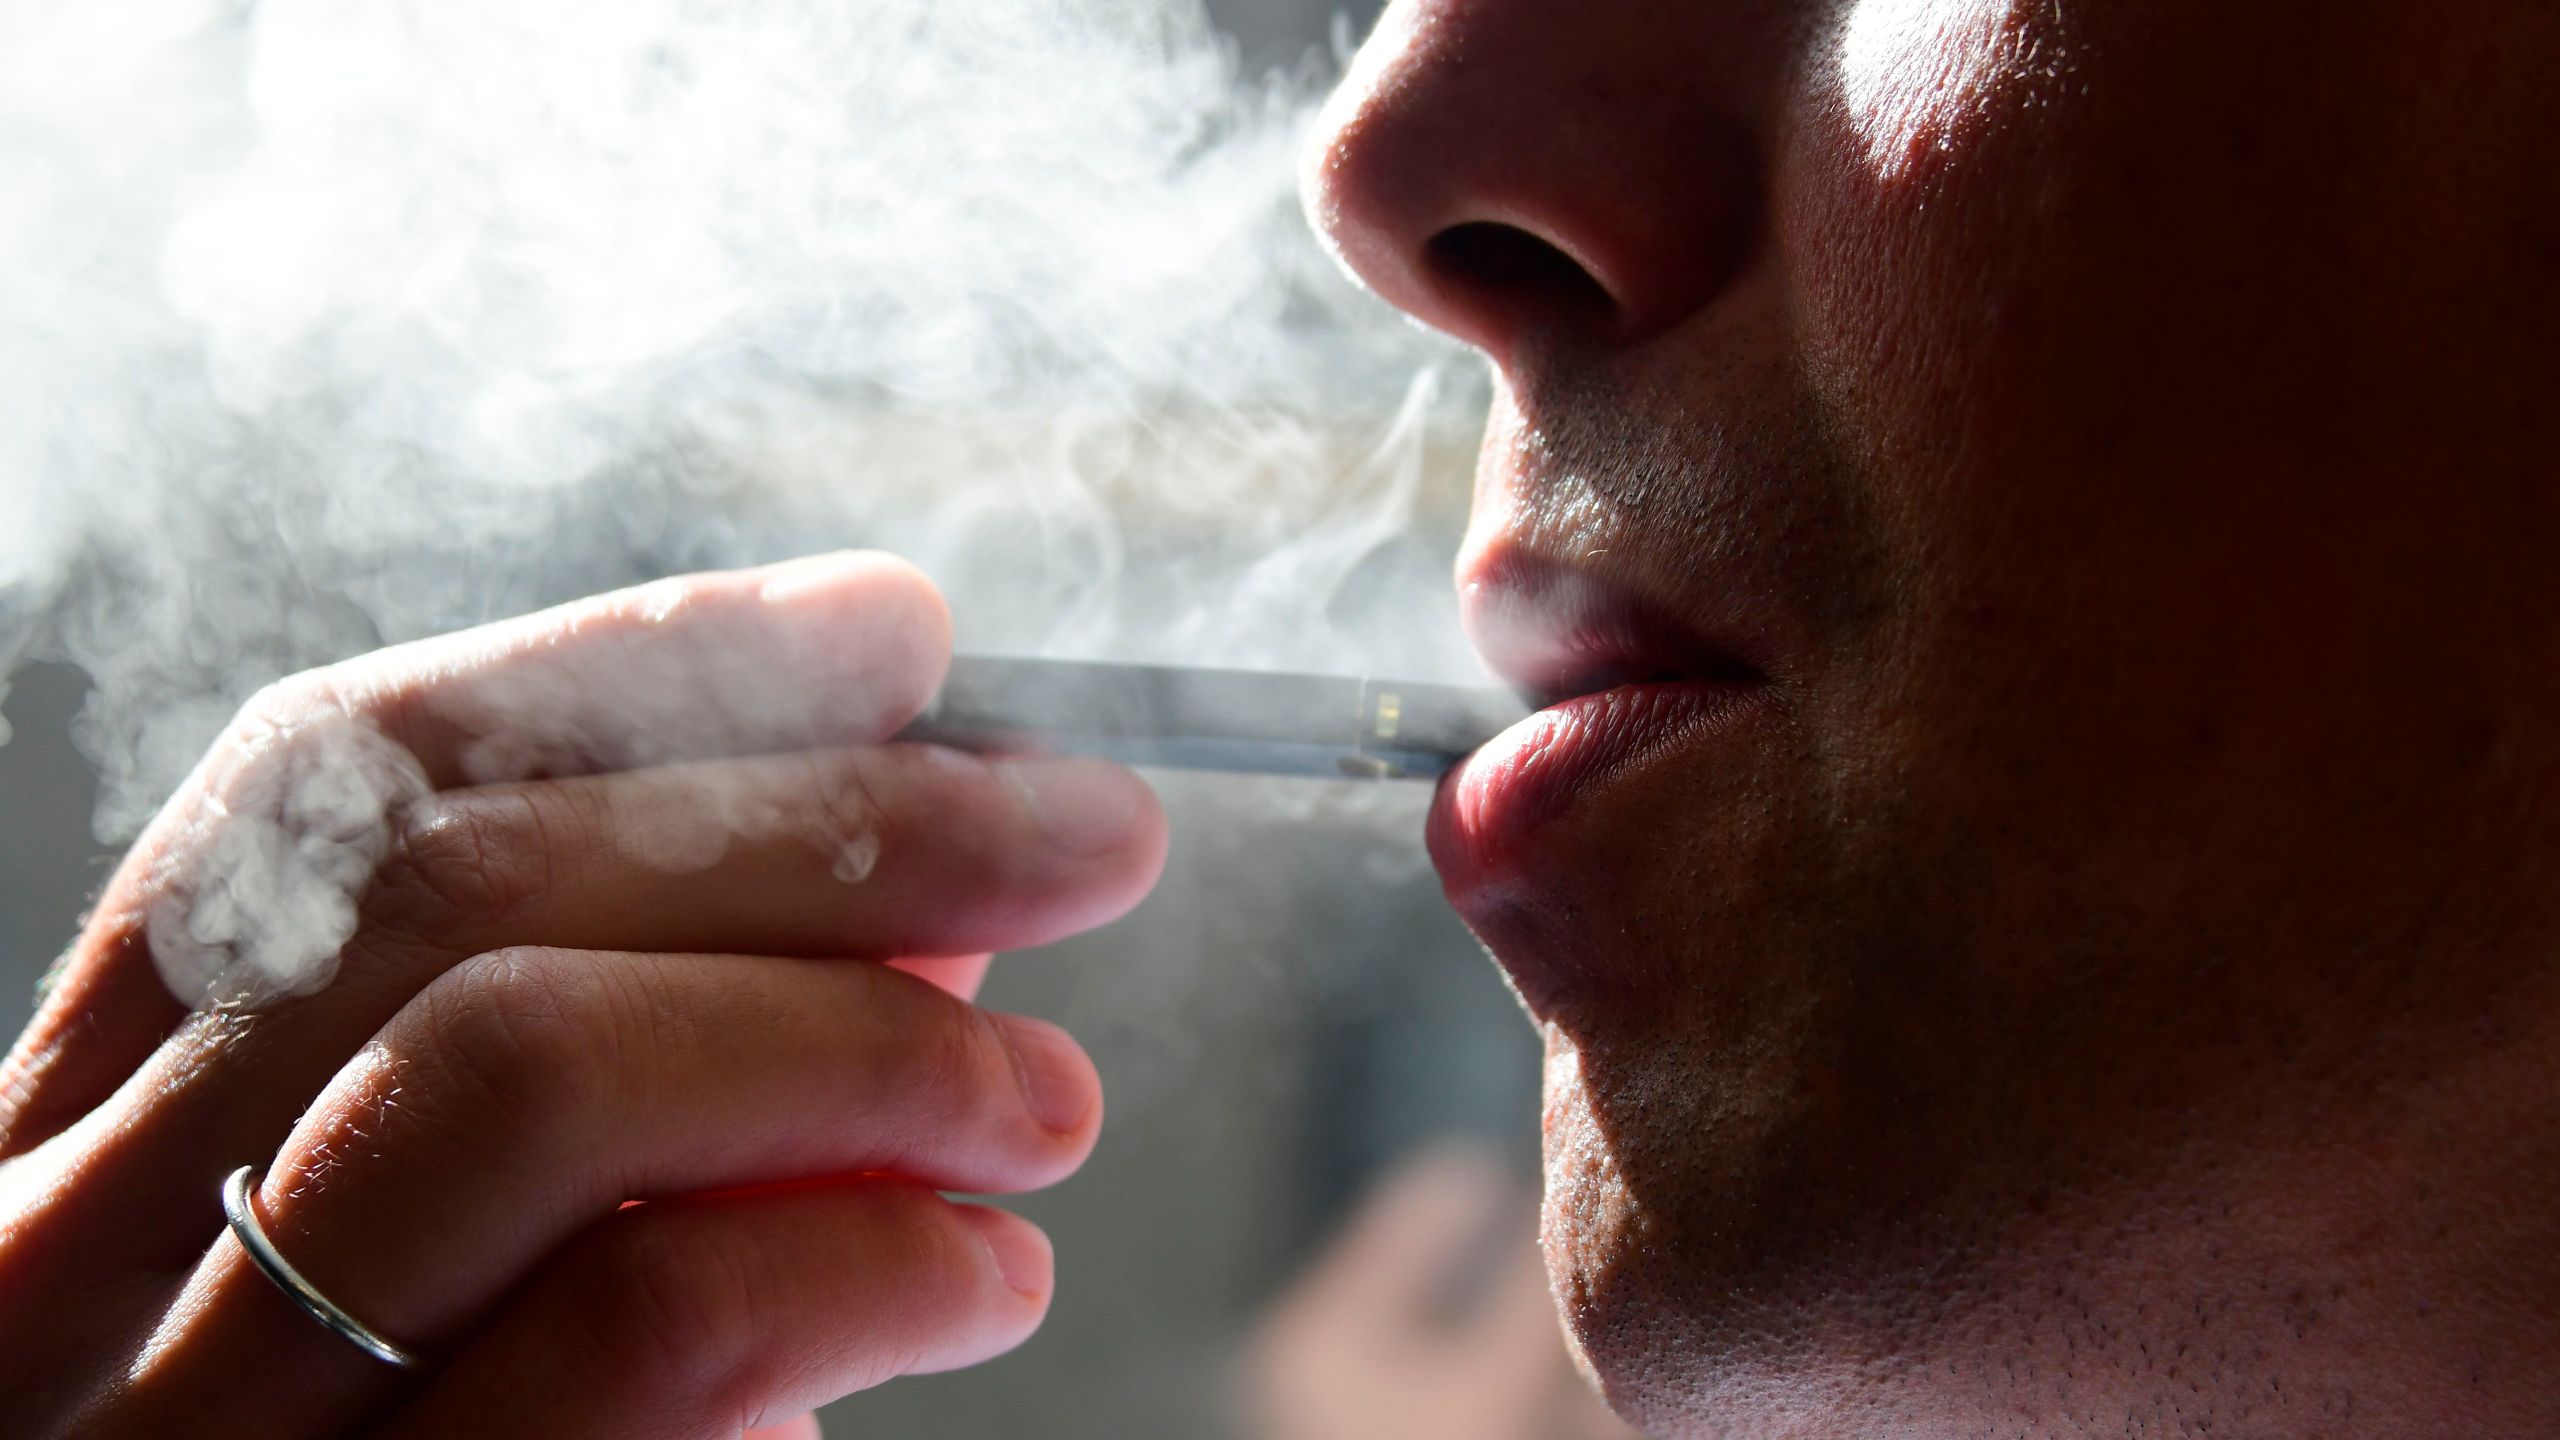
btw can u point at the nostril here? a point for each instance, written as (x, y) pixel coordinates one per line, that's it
(1507, 269)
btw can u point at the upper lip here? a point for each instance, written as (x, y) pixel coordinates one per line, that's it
(1557, 630)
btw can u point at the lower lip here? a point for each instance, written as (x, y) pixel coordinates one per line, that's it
(1499, 798)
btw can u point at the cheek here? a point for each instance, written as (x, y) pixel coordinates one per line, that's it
(1911, 75)
(1905, 200)
(1904, 212)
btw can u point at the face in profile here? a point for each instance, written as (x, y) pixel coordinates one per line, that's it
(2038, 505)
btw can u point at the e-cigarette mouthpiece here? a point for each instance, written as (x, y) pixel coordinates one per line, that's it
(1249, 721)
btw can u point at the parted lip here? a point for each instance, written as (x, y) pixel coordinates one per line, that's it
(1557, 630)
(1623, 682)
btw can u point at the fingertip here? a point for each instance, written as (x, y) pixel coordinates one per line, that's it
(1144, 862)
(1020, 1275)
(975, 854)
(1060, 1086)
(785, 580)
(986, 1293)
(1138, 863)
(1019, 1250)
(874, 580)
(898, 630)
(1153, 843)
(1101, 832)
(1086, 809)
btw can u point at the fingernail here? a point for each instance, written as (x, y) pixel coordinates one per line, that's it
(1083, 807)
(1057, 1082)
(1021, 1252)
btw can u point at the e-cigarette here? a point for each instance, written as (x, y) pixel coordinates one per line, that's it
(1247, 721)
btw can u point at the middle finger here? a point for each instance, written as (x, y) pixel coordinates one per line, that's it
(900, 850)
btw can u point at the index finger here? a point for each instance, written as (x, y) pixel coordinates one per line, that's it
(839, 649)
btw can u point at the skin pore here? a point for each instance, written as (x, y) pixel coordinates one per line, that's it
(2105, 989)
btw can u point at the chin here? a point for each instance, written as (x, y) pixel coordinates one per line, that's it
(1688, 1234)
(1731, 1158)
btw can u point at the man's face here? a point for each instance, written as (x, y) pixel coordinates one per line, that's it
(2071, 467)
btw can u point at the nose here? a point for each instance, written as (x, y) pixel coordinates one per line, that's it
(1508, 168)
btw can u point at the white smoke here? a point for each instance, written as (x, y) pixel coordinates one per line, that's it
(326, 325)
(286, 830)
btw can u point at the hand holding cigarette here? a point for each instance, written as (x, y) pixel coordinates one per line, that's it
(479, 939)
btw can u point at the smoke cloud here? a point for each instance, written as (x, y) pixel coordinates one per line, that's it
(327, 326)
(324, 327)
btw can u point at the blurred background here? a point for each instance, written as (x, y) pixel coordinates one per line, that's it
(270, 414)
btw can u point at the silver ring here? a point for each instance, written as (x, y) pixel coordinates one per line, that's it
(253, 1238)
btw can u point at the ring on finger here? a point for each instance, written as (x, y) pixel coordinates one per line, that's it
(238, 1207)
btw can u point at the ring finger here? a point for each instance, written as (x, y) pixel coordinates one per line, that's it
(526, 1095)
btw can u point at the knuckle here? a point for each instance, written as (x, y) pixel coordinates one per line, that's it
(516, 1040)
(254, 753)
(286, 715)
(462, 866)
